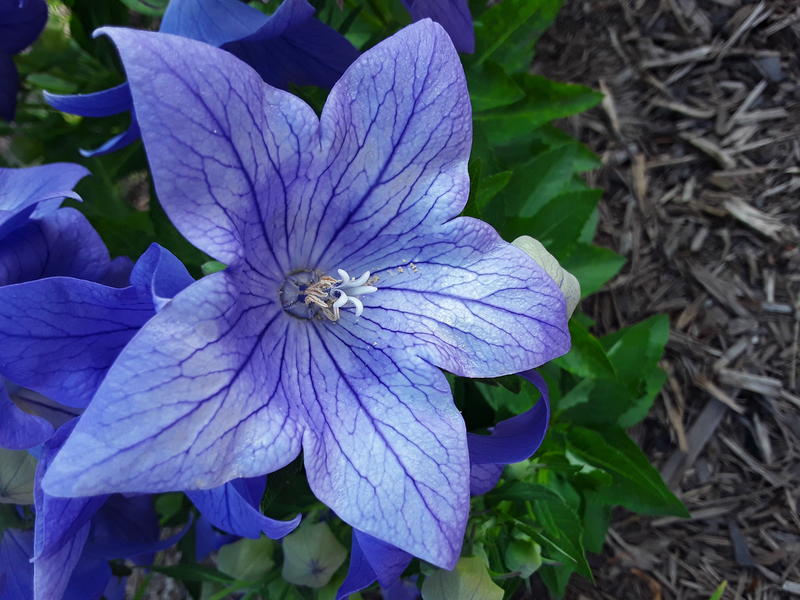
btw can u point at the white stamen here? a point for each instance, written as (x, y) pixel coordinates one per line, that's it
(358, 304)
(331, 295)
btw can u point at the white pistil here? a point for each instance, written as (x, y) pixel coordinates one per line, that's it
(331, 295)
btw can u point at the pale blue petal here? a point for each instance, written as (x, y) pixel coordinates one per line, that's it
(396, 132)
(467, 301)
(222, 157)
(385, 447)
(196, 399)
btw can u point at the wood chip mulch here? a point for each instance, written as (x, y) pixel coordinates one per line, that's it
(700, 140)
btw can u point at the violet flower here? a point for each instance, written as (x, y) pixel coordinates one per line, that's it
(513, 440)
(290, 46)
(284, 350)
(60, 329)
(122, 528)
(453, 15)
(21, 22)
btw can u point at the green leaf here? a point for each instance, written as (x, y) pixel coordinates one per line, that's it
(606, 401)
(522, 491)
(51, 83)
(559, 222)
(246, 559)
(544, 101)
(17, 469)
(637, 485)
(500, 398)
(593, 266)
(523, 555)
(587, 357)
(152, 8)
(563, 532)
(311, 555)
(9, 518)
(212, 266)
(468, 581)
(717, 595)
(537, 181)
(490, 87)
(556, 578)
(168, 506)
(195, 573)
(596, 519)
(637, 349)
(654, 380)
(507, 31)
(489, 186)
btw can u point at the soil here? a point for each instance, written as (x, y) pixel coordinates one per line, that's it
(699, 137)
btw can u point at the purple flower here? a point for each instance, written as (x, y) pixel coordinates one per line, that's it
(21, 22)
(512, 440)
(284, 350)
(290, 46)
(453, 15)
(61, 327)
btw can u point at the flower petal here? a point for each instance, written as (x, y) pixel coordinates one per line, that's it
(59, 335)
(59, 243)
(468, 301)
(385, 447)
(221, 143)
(371, 560)
(52, 572)
(59, 520)
(127, 527)
(196, 399)
(453, 15)
(483, 477)
(396, 130)
(517, 438)
(21, 189)
(9, 86)
(20, 24)
(104, 103)
(18, 428)
(227, 508)
(16, 577)
(160, 272)
(208, 539)
(295, 47)
(212, 21)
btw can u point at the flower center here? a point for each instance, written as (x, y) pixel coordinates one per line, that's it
(312, 294)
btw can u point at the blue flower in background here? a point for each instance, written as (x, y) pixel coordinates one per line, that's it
(284, 350)
(68, 310)
(21, 22)
(453, 15)
(290, 46)
(121, 528)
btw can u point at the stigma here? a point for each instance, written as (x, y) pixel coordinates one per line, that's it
(326, 297)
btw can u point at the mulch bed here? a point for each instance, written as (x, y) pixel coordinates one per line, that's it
(700, 140)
